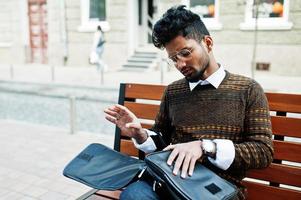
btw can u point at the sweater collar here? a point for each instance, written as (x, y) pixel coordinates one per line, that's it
(214, 79)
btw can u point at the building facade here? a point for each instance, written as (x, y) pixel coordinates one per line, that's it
(60, 32)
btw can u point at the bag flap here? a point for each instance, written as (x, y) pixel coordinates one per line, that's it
(103, 168)
(203, 184)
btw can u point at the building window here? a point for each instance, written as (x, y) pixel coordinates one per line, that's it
(97, 10)
(269, 14)
(93, 13)
(204, 8)
(208, 10)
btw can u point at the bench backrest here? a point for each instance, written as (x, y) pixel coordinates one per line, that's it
(282, 179)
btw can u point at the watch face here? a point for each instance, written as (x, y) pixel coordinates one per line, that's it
(208, 146)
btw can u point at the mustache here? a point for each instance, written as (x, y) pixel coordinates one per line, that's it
(186, 68)
(189, 68)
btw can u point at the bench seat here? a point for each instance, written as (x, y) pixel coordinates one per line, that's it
(281, 180)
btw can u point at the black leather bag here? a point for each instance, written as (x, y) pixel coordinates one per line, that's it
(203, 184)
(103, 168)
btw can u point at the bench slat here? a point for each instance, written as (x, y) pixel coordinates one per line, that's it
(143, 111)
(128, 147)
(142, 91)
(109, 194)
(97, 197)
(278, 173)
(290, 151)
(284, 102)
(260, 191)
(286, 126)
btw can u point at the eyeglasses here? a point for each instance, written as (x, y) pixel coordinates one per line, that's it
(182, 54)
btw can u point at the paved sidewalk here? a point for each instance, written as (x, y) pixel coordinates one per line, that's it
(89, 77)
(82, 76)
(32, 158)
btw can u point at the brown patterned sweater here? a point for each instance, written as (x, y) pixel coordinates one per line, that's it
(237, 110)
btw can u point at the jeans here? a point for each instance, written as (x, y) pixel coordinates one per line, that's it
(139, 190)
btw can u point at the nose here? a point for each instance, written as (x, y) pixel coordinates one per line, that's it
(180, 64)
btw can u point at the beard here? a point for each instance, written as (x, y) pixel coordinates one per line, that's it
(195, 77)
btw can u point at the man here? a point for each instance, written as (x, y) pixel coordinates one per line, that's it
(210, 116)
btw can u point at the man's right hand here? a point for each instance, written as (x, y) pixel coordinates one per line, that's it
(127, 122)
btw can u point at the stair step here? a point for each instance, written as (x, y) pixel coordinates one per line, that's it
(145, 52)
(135, 66)
(144, 56)
(142, 60)
(138, 64)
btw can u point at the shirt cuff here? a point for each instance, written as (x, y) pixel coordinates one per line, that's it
(225, 153)
(149, 145)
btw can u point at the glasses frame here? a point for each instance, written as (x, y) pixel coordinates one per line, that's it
(184, 53)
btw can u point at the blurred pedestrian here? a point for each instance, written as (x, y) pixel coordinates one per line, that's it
(97, 50)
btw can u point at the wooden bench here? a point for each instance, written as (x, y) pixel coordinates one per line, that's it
(281, 180)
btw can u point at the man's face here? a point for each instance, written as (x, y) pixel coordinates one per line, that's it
(189, 57)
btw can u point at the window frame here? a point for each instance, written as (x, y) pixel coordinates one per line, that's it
(211, 23)
(90, 25)
(270, 23)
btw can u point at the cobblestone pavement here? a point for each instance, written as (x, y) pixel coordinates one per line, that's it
(32, 158)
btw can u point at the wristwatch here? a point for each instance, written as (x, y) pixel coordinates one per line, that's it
(209, 148)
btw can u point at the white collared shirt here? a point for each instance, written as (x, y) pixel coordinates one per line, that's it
(214, 79)
(225, 151)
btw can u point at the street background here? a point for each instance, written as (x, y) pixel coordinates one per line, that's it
(52, 99)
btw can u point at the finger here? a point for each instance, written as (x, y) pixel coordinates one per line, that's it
(121, 108)
(114, 108)
(111, 113)
(111, 119)
(185, 165)
(169, 147)
(114, 113)
(172, 156)
(178, 163)
(191, 166)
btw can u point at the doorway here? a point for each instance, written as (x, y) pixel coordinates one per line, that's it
(38, 31)
(146, 13)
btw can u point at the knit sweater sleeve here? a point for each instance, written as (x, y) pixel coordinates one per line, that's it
(162, 124)
(256, 151)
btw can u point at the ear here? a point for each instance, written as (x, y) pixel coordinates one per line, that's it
(208, 42)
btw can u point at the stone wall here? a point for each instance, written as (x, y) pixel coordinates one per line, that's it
(12, 33)
(79, 43)
(232, 46)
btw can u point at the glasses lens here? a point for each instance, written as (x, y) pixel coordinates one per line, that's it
(170, 62)
(184, 53)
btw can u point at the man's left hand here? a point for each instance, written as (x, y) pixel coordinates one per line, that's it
(184, 155)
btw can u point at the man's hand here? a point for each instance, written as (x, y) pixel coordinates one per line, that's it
(185, 155)
(127, 122)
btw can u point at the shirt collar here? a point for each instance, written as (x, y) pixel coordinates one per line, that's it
(214, 79)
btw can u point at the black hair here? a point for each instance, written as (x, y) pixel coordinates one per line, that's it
(178, 21)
